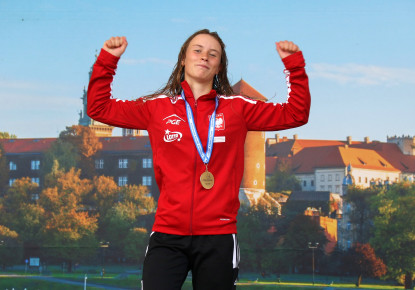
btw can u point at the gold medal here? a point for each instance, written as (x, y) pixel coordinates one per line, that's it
(206, 179)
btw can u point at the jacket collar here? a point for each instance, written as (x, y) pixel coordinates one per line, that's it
(189, 94)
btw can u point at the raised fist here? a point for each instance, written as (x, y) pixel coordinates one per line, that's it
(286, 48)
(116, 45)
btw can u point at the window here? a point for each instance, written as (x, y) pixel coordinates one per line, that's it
(35, 196)
(360, 179)
(322, 177)
(312, 182)
(322, 188)
(123, 163)
(99, 164)
(147, 163)
(337, 177)
(337, 188)
(122, 180)
(330, 188)
(35, 180)
(11, 181)
(349, 244)
(12, 166)
(365, 179)
(305, 183)
(348, 226)
(146, 180)
(329, 177)
(35, 164)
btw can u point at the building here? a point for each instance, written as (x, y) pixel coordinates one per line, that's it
(127, 159)
(252, 188)
(322, 164)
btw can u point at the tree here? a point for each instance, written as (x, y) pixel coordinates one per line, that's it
(4, 171)
(75, 148)
(283, 179)
(258, 238)
(362, 213)
(86, 143)
(10, 250)
(116, 225)
(394, 230)
(21, 214)
(137, 242)
(69, 229)
(7, 135)
(301, 231)
(61, 155)
(362, 261)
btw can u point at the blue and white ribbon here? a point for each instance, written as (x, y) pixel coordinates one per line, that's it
(205, 156)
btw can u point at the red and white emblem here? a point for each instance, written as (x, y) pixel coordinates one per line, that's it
(220, 122)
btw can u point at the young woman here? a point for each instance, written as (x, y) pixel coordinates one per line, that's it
(197, 129)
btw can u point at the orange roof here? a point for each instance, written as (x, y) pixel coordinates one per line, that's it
(392, 153)
(365, 159)
(128, 143)
(38, 145)
(109, 144)
(244, 89)
(311, 154)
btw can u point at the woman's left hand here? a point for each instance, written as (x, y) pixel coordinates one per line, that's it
(286, 48)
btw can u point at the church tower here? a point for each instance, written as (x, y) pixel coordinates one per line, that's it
(253, 182)
(101, 130)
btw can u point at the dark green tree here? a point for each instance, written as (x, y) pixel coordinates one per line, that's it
(283, 179)
(75, 147)
(394, 230)
(303, 230)
(4, 170)
(10, 248)
(258, 239)
(362, 212)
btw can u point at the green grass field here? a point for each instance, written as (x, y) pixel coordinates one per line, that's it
(118, 277)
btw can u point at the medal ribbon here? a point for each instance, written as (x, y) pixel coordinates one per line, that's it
(205, 156)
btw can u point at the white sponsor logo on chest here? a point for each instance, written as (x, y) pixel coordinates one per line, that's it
(172, 136)
(173, 119)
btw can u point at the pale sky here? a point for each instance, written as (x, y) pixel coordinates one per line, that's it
(359, 57)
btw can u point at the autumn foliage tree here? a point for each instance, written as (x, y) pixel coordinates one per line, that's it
(69, 229)
(362, 261)
(75, 147)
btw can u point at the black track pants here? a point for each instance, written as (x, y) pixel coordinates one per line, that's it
(213, 260)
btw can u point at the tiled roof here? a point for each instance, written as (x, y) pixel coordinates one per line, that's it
(365, 159)
(109, 144)
(38, 145)
(244, 89)
(311, 154)
(394, 155)
(136, 143)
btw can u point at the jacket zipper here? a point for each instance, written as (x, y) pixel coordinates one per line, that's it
(194, 178)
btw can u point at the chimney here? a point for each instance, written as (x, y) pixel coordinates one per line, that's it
(277, 138)
(367, 141)
(295, 137)
(349, 140)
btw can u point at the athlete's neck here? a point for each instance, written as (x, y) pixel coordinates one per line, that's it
(200, 89)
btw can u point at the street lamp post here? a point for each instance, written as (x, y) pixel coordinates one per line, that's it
(312, 247)
(103, 246)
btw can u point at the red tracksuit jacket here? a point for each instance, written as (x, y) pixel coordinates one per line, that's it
(184, 206)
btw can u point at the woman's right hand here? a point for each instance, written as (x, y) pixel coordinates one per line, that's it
(116, 45)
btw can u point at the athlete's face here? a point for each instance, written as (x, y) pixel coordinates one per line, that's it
(202, 60)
